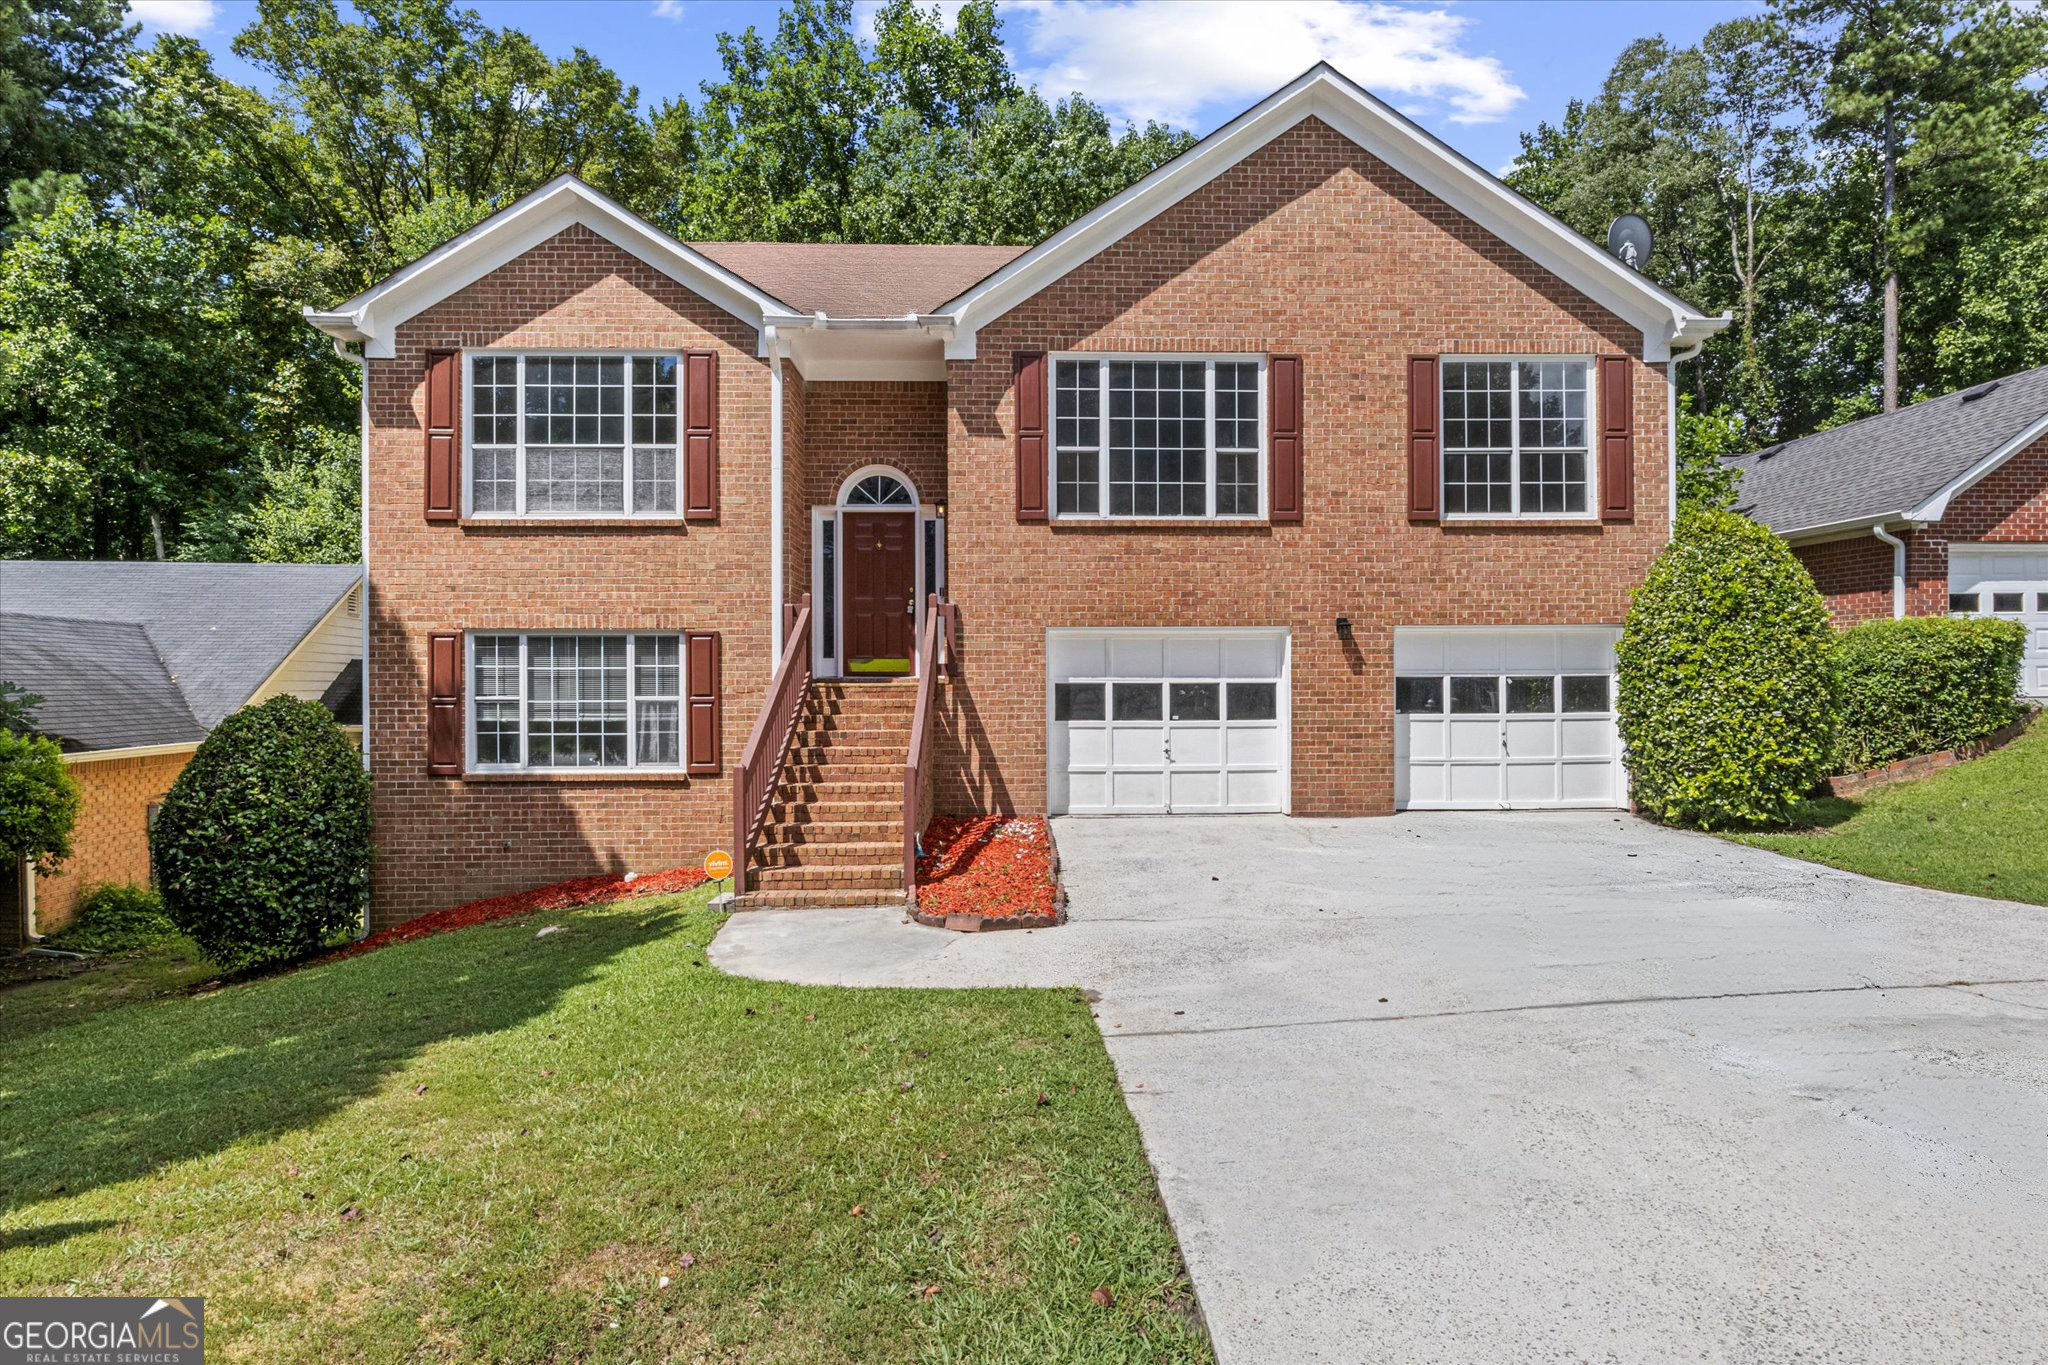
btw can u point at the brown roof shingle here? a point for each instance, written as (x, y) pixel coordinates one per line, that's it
(859, 280)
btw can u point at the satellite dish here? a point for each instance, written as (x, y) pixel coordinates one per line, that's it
(1628, 241)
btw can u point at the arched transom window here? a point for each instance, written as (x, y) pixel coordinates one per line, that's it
(878, 490)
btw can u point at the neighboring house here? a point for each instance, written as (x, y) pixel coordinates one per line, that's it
(1938, 507)
(1310, 474)
(137, 661)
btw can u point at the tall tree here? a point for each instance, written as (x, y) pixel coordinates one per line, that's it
(1937, 102)
(61, 78)
(926, 136)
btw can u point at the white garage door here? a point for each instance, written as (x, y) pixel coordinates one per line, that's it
(2011, 582)
(1505, 719)
(1153, 722)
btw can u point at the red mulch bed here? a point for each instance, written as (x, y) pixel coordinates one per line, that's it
(992, 867)
(557, 896)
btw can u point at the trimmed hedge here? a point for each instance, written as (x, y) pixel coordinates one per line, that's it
(263, 844)
(1726, 698)
(1924, 684)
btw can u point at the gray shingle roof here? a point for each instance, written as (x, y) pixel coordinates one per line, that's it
(103, 683)
(1886, 465)
(216, 630)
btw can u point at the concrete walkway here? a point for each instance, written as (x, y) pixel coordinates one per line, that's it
(1543, 1087)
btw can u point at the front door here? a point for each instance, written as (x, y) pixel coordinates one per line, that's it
(881, 581)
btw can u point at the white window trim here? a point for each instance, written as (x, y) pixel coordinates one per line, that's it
(466, 433)
(1443, 452)
(825, 660)
(1209, 359)
(632, 763)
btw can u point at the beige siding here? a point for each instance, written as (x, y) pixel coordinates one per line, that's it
(326, 650)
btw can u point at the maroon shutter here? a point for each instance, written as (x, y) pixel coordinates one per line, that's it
(1424, 463)
(1032, 473)
(1284, 452)
(444, 703)
(1617, 439)
(702, 734)
(444, 453)
(700, 436)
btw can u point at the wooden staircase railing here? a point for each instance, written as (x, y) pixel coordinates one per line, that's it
(754, 777)
(934, 661)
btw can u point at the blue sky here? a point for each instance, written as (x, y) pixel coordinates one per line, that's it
(1475, 72)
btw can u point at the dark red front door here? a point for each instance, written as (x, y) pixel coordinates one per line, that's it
(881, 576)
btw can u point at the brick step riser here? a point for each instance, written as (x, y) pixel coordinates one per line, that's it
(846, 793)
(819, 855)
(824, 879)
(802, 900)
(876, 833)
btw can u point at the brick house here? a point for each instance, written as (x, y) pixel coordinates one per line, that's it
(136, 662)
(1941, 507)
(1310, 474)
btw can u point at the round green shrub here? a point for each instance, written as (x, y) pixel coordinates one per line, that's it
(263, 844)
(39, 801)
(1727, 701)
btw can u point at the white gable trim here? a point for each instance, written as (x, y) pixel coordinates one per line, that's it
(1936, 507)
(1324, 93)
(373, 316)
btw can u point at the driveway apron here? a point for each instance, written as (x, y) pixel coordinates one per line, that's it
(1471, 1087)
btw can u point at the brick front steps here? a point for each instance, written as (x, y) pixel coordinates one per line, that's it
(834, 833)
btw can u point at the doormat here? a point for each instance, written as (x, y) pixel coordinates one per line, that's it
(878, 666)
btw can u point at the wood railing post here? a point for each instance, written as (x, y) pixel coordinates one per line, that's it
(755, 776)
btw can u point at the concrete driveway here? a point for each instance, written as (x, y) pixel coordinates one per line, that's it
(1543, 1086)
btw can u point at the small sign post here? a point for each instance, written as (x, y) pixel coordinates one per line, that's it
(718, 867)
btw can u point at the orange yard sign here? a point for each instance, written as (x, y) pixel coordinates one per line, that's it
(718, 866)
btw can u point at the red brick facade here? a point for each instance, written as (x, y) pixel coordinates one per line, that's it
(445, 840)
(1309, 247)
(2008, 507)
(1312, 247)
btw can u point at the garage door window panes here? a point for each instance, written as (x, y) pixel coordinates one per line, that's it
(1167, 723)
(1507, 739)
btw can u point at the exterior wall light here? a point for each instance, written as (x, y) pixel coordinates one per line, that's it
(1343, 627)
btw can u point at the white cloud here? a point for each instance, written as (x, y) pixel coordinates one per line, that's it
(864, 12)
(1149, 59)
(175, 16)
(668, 9)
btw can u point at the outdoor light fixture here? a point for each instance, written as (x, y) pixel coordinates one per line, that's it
(939, 509)
(1343, 627)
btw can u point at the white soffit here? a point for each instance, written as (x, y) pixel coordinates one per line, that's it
(373, 316)
(1323, 92)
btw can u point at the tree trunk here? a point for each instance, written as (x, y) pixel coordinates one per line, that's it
(1891, 274)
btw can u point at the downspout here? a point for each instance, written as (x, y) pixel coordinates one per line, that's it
(362, 364)
(1671, 431)
(1898, 570)
(775, 533)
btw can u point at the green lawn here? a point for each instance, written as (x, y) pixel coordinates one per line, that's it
(43, 992)
(494, 1143)
(1980, 827)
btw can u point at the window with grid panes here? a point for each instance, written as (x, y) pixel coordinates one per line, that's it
(581, 435)
(1142, 436)
(1517, 440)
(576, 701)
